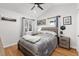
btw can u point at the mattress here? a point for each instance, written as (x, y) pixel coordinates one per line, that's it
(47, 43)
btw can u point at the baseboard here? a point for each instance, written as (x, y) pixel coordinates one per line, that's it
(9, 45)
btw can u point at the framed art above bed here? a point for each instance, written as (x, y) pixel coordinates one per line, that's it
(52, 21)
(41, 22)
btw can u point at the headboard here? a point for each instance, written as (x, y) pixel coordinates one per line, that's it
(55, 29)
(25, 25)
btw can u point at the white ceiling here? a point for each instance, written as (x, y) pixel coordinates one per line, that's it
(21, 7)
(24, 8)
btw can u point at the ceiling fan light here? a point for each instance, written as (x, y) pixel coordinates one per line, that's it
(36, 5)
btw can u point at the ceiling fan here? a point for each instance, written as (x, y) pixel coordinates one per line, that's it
(37, 5)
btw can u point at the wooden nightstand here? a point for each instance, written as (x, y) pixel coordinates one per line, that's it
(64, 42)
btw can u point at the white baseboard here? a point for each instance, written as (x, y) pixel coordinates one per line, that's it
(10, 45)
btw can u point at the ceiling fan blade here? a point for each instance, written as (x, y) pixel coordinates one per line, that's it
(32, 7)
(38, 3)
(40, 7)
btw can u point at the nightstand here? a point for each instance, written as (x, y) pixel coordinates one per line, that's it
(64, 42)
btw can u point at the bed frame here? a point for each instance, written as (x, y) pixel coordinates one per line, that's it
(26, 52)
(23, 50)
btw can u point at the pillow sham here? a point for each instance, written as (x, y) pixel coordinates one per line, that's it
(50, 32)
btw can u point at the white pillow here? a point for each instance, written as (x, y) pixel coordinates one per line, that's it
(39, 29)
(50, 32)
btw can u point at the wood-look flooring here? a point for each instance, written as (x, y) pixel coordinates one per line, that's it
(13, 51)
(2, 53)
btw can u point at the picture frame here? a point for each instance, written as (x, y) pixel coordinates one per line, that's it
(41, 22)
(53, 21)
(67, 20)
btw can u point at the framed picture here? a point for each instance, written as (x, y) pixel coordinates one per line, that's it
(67, 20)
(41, 22)
(53, 21)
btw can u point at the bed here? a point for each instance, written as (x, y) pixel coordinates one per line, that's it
(44, 46)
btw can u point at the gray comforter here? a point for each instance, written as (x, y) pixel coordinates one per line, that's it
(47, 43)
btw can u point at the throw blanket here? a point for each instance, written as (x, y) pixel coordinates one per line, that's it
(32, 39)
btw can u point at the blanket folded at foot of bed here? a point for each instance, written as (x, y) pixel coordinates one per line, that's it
(32, 39)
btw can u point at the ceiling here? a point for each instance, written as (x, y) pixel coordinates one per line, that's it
(23, 8)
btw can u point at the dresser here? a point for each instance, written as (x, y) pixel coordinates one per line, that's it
(64, 42)
(1, 49)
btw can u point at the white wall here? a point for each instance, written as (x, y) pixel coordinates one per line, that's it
(10, 31)
(77, 28)
(65, 10)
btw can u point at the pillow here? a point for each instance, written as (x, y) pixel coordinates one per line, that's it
(55, 29)
(39, 29)
(50, 32)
